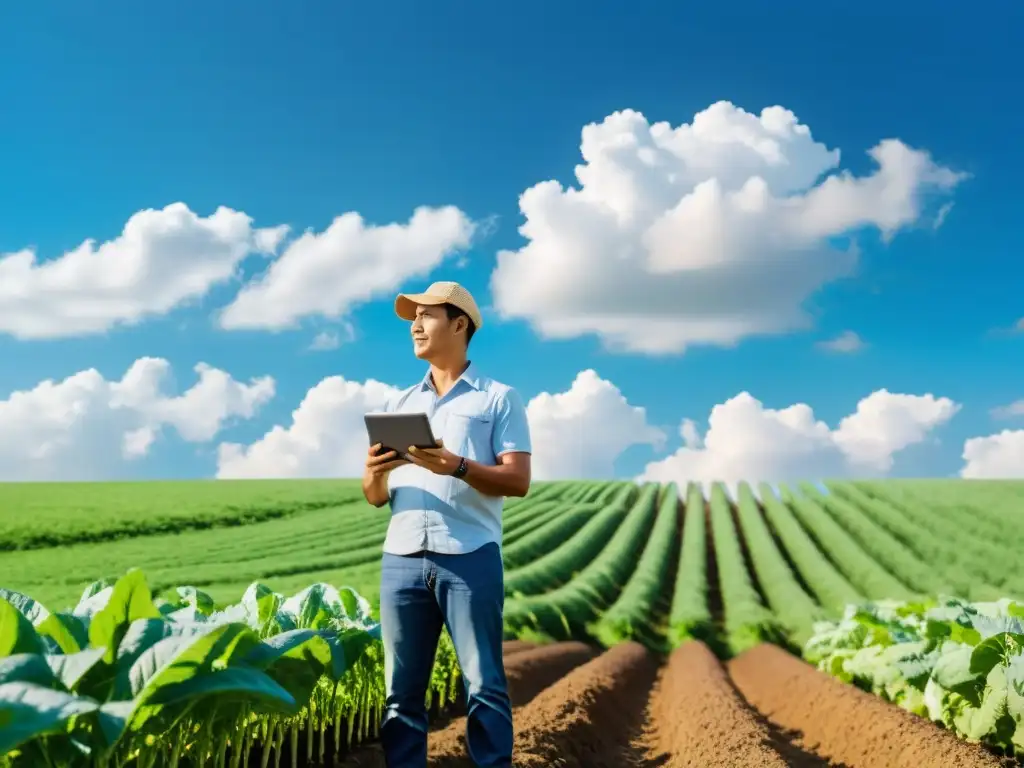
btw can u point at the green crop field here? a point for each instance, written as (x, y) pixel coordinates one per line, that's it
(169, 623)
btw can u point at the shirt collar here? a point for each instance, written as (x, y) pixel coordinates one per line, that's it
(470, 376)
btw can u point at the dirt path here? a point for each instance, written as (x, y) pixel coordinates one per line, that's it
(696, 718)
(589, 717)
(528, 673)
(846, 725)
(515, 646)
(528, 670)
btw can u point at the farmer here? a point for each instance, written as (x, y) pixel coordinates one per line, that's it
(442, 559)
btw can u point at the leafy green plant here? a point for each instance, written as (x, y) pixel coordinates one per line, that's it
(123, 679)
(957, 663)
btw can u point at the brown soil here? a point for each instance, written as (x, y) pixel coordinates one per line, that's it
(698, 719)
(515, 646)
(842, 723)
(528, 673)
(589, 718)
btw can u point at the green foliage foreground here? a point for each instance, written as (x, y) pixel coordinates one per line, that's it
(951, 661)
(124, 679)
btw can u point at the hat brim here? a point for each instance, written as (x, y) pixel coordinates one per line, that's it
(406, 303)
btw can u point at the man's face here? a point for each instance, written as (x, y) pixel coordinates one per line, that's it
(433, 334)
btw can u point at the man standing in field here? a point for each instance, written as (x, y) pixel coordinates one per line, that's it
(442, 558)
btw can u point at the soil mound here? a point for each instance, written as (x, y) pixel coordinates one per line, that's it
(528, 673)
(589, 717)
(843, 723)
(698, 719)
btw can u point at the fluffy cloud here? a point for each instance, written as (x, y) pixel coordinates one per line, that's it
(580, 433)
(577, 433)
(167, 258)
(85, 426)
(1015, 408)
(995, 456)
(327, 436)
(163, 259)
(701, 234)
(349, 262)
(327, 341)
(746, 441)
(845, 343)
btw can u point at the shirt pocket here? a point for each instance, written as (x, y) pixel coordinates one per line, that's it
(469, 435)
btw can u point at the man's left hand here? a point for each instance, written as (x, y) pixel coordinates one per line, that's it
(438, 460)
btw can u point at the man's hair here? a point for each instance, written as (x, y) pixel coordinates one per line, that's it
(453, 313)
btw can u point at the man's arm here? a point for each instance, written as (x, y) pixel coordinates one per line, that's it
(510, 477)
(375, 487)
(511, 443)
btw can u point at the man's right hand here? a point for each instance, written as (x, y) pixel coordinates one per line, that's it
(378, 465)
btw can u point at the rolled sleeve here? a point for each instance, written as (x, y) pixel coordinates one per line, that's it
(511, 428)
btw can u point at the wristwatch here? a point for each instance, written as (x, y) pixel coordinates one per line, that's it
(460, 471)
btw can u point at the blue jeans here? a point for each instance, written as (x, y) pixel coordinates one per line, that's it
(418, 595)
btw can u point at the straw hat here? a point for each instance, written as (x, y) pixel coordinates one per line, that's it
(438, 293)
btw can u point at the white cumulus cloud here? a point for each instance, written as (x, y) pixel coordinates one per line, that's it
(746, 441)
(998, 456)
(1015, 408)
(846, 343)
(580, 433)
(576, 433)
(84, 427)
(702, 234)
(350, 262)
(327, 436)
(162, 260)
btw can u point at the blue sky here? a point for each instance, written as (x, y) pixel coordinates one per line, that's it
(296, 115)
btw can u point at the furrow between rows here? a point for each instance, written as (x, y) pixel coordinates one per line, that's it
(842, 723)
(696, 718)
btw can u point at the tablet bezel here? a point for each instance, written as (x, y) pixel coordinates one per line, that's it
(405, 429)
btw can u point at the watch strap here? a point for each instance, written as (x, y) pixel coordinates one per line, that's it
(460, 471)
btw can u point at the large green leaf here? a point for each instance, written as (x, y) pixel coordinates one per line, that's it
(141, 635)
(953, 672)
(195, 598)
(296, 660)
(130, 600)
(1015, 691)
(995, 650)
(31, 609)
(112, 718)
(94, 599)
(28, 711)
(17, 635)
(988, 626)
(26, 668)
(178, 659)
(990, 721)
(70, 668)
(315, 607)
(68, 632)
(357, 607)
(234, 684)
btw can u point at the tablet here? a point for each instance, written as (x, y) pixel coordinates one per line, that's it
(397, 431)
